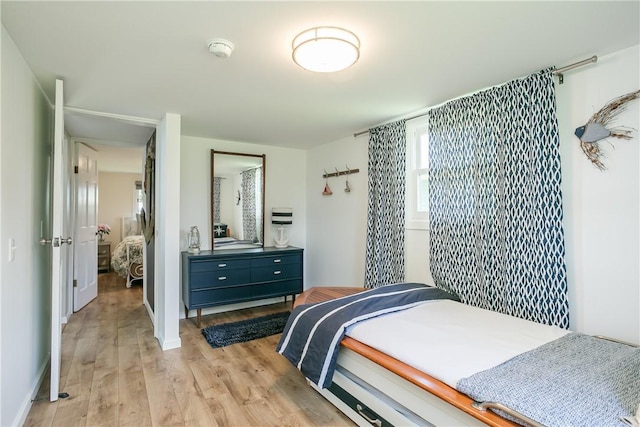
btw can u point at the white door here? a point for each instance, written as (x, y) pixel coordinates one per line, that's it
(57, 241)
(85, 251)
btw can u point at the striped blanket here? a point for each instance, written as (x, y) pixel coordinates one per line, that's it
(311, 338)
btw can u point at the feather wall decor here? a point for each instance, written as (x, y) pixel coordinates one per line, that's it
(597, 129)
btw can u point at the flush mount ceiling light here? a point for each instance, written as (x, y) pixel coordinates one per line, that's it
(326, 49)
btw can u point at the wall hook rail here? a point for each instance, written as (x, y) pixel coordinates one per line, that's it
(339, 172)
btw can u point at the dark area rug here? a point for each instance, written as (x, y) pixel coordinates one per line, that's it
(245, 330)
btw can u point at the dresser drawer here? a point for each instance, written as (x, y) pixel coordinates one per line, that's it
(219, 265)
(219, 278)
(211, 297)
(275, 260)
(267, 290)
(104, 248)
(360, 408)
(277, 272)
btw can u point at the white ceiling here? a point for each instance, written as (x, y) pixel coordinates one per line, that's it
(150, 57)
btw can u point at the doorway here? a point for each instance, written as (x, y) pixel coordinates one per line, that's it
(117, 144)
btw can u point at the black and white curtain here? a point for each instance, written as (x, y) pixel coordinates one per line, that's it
(249, 228)
(495, 201)
(217, 181)
(258, 203)
(384, 263)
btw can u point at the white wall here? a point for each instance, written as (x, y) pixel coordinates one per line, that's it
(24, 282)
(167, 232)
(116, 200)
(228, 211)
(601, 209)
(337, 224)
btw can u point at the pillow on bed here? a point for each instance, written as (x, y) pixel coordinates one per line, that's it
(219, 230)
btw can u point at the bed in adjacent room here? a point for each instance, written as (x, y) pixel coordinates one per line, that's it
(127, 258)
(436, 361)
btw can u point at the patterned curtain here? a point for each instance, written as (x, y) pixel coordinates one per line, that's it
(495, 201)
(216, 198)
(258, 203)
(385, 221)
(249, 229)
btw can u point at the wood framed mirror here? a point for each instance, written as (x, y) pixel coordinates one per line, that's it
(237, 200)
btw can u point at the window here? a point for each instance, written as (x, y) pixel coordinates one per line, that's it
(138, 198)
(417, 202)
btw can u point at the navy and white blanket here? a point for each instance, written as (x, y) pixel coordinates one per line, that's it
(576, 380)
(311, 338)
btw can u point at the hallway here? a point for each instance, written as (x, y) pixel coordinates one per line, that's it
(116, 374)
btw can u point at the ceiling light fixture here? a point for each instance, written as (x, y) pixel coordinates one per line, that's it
(326, 49)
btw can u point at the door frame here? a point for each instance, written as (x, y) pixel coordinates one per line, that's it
(59, 251)
(140, 121)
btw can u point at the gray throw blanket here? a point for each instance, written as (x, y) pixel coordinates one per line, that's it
(576, 380)
(312, 336)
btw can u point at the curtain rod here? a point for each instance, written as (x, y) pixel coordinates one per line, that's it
(558, 71)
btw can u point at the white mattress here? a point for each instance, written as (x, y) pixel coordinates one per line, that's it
(449, 340)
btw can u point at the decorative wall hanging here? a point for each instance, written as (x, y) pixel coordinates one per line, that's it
(327, 190)
(347, 188)
(148, 211)
(596, 128)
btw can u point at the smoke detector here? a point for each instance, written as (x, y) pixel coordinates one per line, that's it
(221, 48)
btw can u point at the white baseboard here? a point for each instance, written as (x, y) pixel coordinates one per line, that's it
(25, 407)
(170, 344)
(149, 311)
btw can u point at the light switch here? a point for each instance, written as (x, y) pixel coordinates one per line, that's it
(12, 249)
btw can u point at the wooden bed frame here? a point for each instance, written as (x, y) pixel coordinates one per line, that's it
(383, 388)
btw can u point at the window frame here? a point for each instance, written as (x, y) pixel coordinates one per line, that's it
(415, 219)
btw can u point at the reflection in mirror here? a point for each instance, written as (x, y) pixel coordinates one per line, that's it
(237, 200)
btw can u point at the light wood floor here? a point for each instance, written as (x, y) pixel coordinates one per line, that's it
(117, 375)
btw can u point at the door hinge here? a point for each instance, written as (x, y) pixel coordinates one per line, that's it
(75, 169)
(75, 283)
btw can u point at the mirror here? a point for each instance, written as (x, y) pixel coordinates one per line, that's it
(237, 200)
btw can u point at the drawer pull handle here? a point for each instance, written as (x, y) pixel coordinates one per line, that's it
(222, 265)
(222, 278)
(277, 260)
(373, 422)
(277, 272)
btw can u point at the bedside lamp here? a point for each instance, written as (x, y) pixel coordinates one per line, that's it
(281, 217)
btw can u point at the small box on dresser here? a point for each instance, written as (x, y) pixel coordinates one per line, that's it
(212, 278)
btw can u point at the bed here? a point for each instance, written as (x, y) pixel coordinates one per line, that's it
(224, 240)
(127, 258)
(388, 371)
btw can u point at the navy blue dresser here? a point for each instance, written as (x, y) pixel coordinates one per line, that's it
(221, 277)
